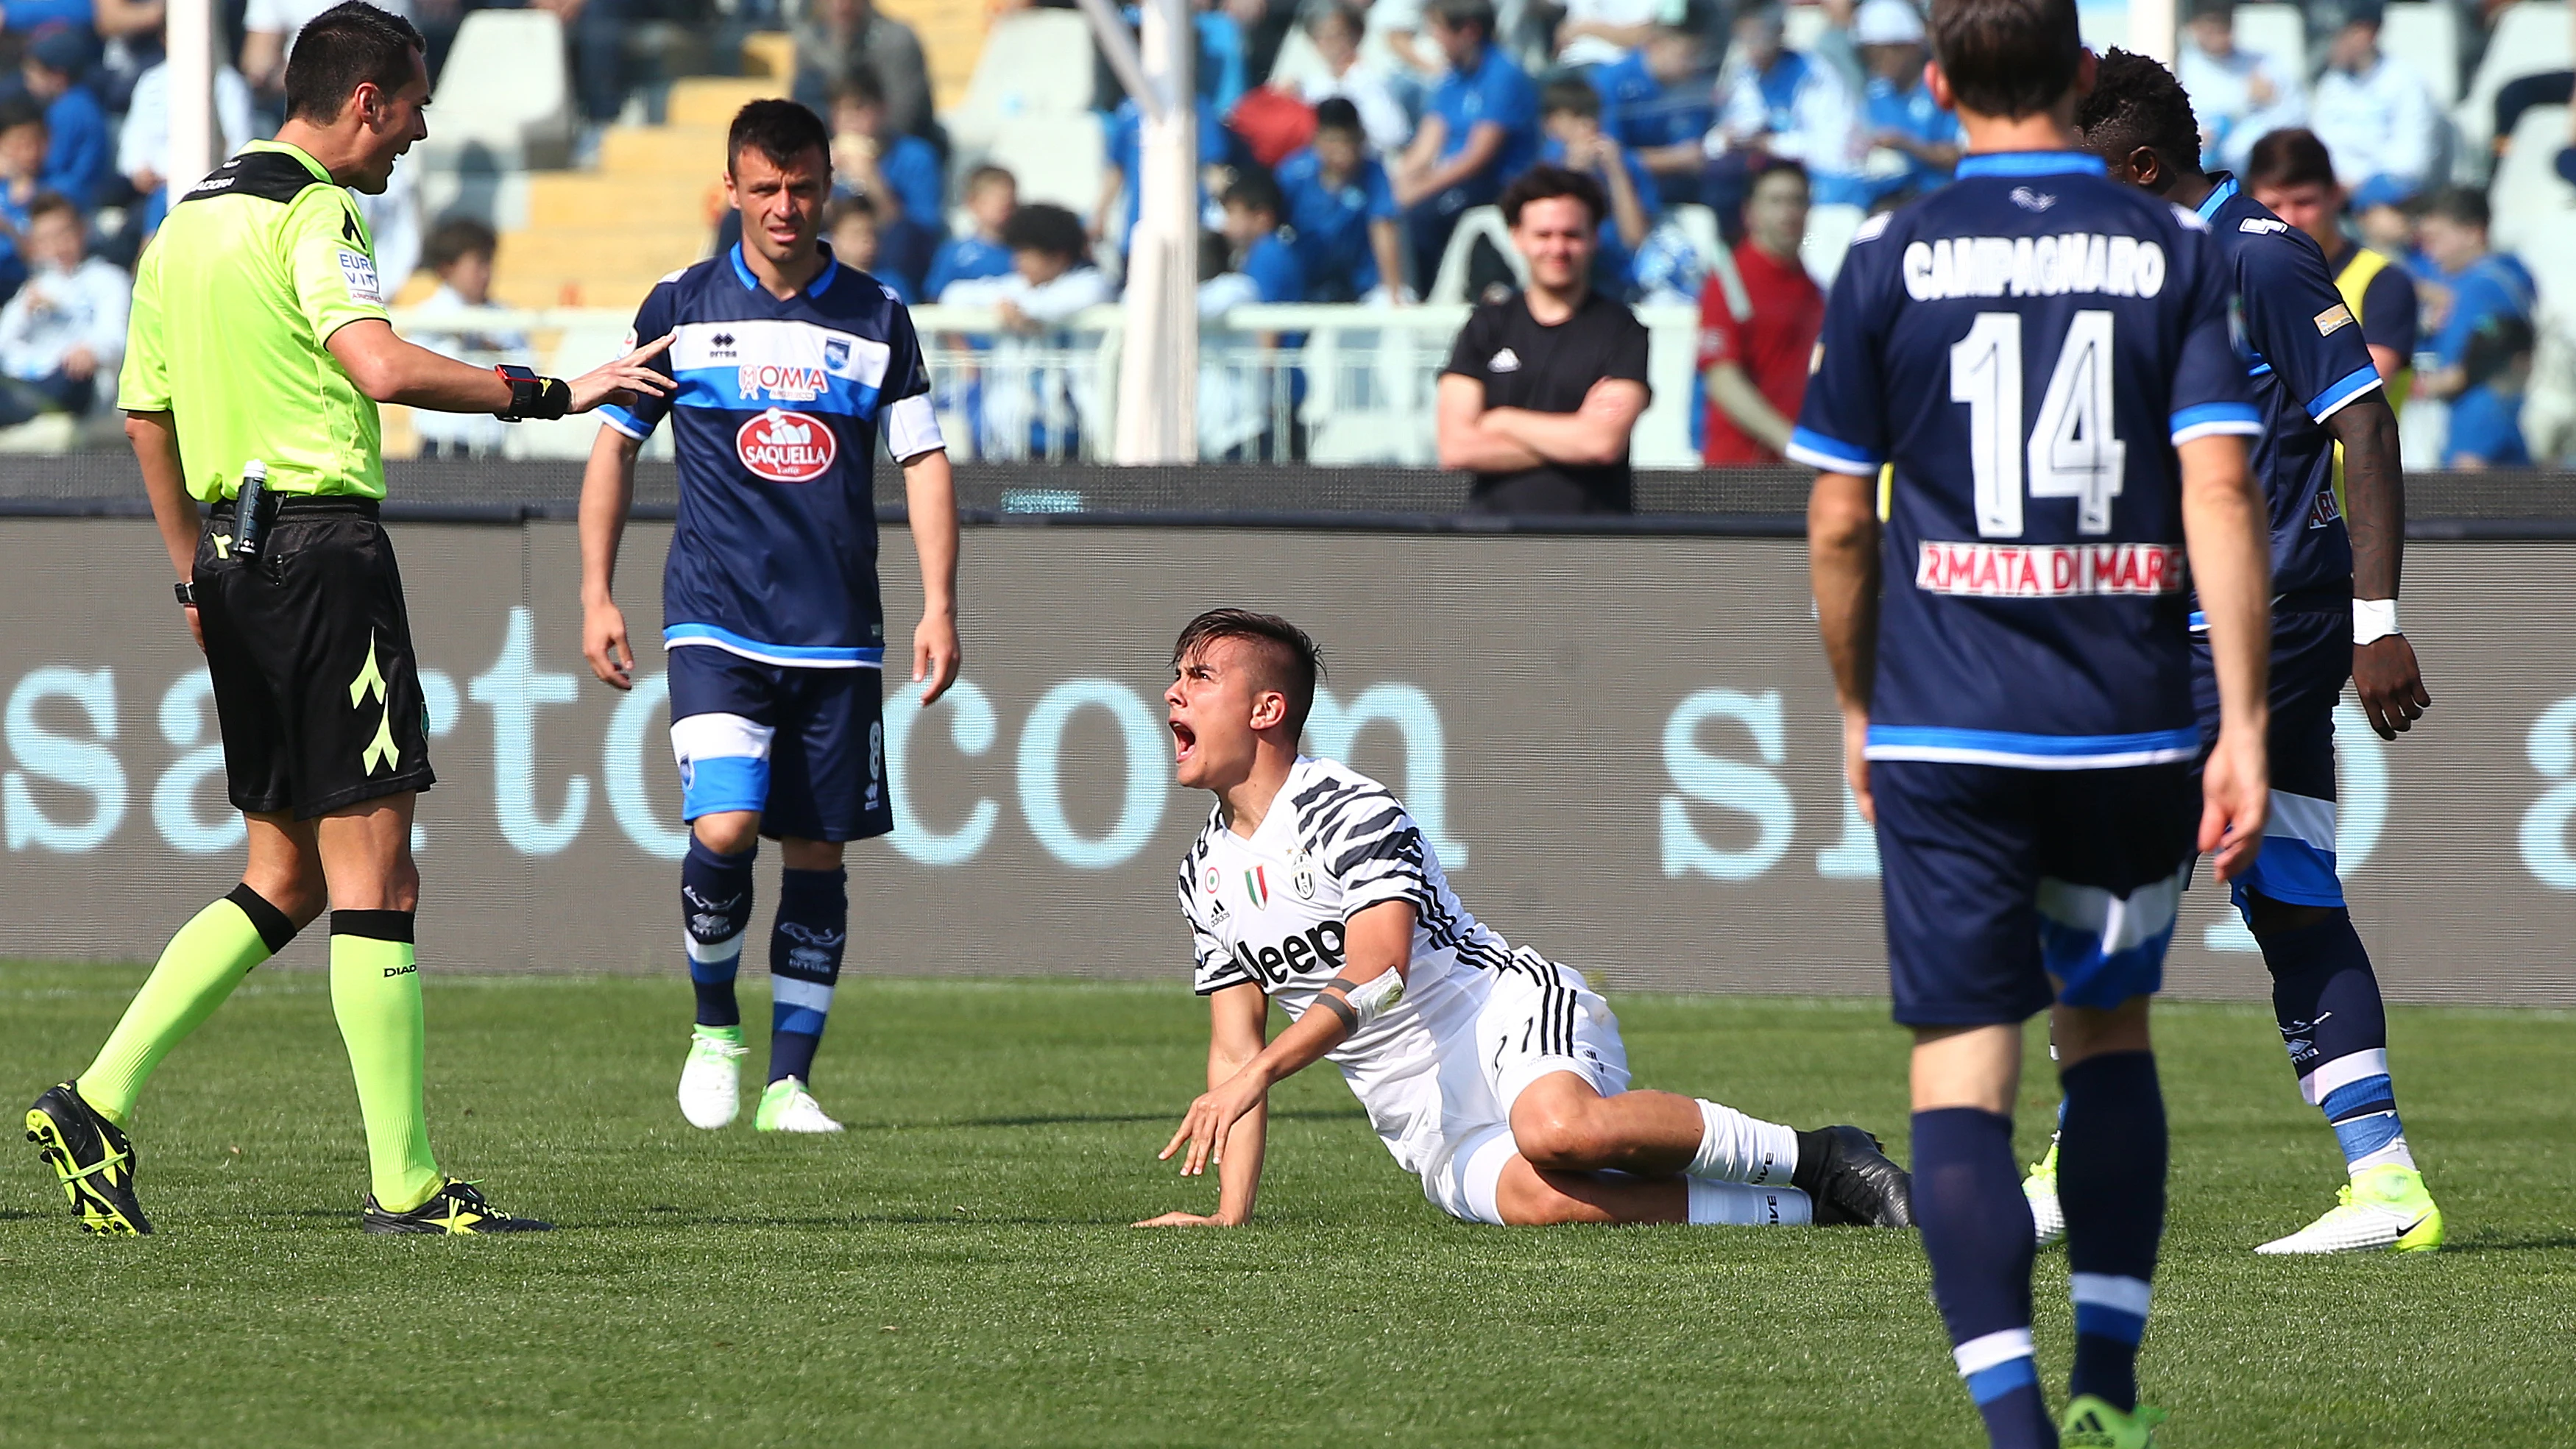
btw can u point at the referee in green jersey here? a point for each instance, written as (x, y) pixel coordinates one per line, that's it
(260, 333)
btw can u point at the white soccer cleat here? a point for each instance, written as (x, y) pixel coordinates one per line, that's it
(711, 1079)
(2381, 1208)
(2047, 1218)
(788, 1107)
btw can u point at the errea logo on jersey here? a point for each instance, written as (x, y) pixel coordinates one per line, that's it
(786, 447)
(757, 381)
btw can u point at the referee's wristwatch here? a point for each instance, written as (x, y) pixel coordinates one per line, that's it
(532, 396)
(187, 592)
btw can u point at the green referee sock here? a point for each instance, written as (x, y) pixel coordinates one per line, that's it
(198, 970)
(375, 992)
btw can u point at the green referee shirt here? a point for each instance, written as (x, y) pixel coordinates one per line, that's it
(250, 274)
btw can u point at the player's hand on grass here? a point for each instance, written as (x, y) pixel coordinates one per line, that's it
(1210, 1118)
(1856, 762)
(935, 655)
(1186, 1220)
(2236, 798)
(2390, 683)
(603, 643)
(623, 379)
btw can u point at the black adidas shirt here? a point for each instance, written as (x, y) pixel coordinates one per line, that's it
(1548, 370)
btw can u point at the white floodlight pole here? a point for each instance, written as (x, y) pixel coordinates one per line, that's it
(1158, 364)
(190, 46)
(2152, 24)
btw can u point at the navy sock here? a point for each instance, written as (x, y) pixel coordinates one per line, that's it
(2111, 1182)
(715, 907)
(1976, 1231)
(2326, 998)
(804, 965)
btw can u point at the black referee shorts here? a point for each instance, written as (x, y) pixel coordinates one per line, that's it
(316, 687)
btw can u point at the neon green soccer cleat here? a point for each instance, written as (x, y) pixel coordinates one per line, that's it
(92, 1160)
(711, 1079)
(2382, 1207)
(787, 1107)
(2047, 1219)
(2091, 1423)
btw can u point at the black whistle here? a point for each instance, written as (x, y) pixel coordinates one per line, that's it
(249, 506)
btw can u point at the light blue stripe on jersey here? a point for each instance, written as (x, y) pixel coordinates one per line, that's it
(2037, 752)
(2205, 419)
(724, 782)
(2216, 198)
(1818, 451)
(2030, 163)
(625, 422)
(721, 387)
(871, 657)
(2327, 403)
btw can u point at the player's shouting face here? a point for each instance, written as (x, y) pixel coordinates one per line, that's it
(781, 204)
(1220, 701)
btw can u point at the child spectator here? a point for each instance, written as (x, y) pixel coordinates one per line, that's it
(1481, 130)
(850, 226)
(1657, 103)
(1337, 30)
(1917, 141)
(1755, 346)
(1777, 104)
(992, 195)
(460, 252)
(22, 180)
(66, 326)
(79, 157)
(2239, 96)
(1244, 404)
(2486, 418)
(1570, 112)
(1261, 250)
(898, 173)
(2478, 287)
(1343, 212)
(1031, 397)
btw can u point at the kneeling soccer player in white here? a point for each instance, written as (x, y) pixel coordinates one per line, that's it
(1493, 1073)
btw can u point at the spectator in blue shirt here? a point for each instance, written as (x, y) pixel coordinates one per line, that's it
(2486, 418)
(1915, 143)
(81, 155)
(2478, 287)
(992, 194)
(1482, 129)
(1342, 211)
(900, 176)
(1777, 103)
(1220, 64)
(850, 225)
(1261, 249)
(1571, 114)
(1127, 157)
(26, 17)
(22, 180)
(1659, 102)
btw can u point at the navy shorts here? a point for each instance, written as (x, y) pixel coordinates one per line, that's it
(1997, 879)
(803, 746)
(2311, 659)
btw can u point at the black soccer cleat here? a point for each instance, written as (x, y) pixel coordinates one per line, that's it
(1850, 1180)
(91, 1158)
(456, 1208)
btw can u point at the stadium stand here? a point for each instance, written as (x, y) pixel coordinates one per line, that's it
(2529, 38)
(2428, 36)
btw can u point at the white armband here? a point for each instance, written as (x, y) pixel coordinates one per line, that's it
(2373, 620)
(912, 428)
(1372, 999)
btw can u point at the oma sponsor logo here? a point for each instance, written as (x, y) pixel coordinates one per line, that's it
(1319, 949)
(784, 383)
(786, 447)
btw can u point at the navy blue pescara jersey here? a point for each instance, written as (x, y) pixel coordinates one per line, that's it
(2024, 349)
(775, 417)
(2308, 362)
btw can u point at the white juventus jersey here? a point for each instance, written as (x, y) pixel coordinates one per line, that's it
(1270, 910)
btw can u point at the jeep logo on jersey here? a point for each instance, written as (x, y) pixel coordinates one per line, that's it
(1318, 949)
(786, 447)
(786, 384)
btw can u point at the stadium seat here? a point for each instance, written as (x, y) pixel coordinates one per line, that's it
(1054, 158)
(1829, 234)
(770, 53)
(504, 101)
(2426, 36)
(952, 39)
(1450, 283)
(2278, 33)
(2529, 38)
(2534, 207)
(1035, 63)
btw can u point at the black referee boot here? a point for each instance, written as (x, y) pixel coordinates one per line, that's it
(93, 1160)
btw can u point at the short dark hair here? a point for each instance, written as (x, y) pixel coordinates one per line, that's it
(342, 49)
(860, 88)
(2137, 102)
(2494, 347)
(51, 201)
(1545, 182)
(2290, 157)
(19, 111)
(1254, 190)
(1351, 16)
(779, 130)
(1336, 113)
(2210, 10)
(2009, 58)
(1045, 227)
(1461, 14)
(843, 208)
(1291, 664)
(457, 238)
(1571, 96)
(1779, 166)
(2460, 205)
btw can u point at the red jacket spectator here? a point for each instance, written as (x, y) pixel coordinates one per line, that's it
(1754, 349)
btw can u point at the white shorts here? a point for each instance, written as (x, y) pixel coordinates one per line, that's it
(1539, 1018)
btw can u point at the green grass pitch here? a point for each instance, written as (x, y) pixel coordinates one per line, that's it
(957, 1267)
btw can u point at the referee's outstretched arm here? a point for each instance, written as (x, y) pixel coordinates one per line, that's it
(391, 370)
